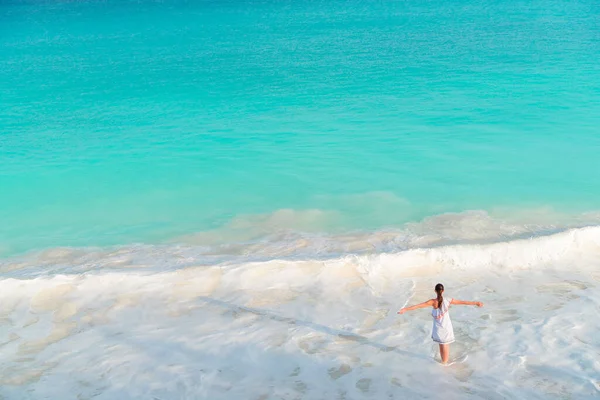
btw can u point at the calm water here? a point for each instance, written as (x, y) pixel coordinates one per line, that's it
(139, 122)
(230, 200)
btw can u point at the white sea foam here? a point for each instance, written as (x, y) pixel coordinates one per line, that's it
(294, 233)
(170, 322)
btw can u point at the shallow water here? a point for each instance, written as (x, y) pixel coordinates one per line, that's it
(121, 323)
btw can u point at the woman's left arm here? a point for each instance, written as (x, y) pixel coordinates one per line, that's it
(421, 305)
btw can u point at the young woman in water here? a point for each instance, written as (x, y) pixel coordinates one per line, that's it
(442, 326)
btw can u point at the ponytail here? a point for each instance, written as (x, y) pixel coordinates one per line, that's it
(439, 289)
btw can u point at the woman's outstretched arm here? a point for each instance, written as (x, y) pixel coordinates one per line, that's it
(467, 303)
(427, 303)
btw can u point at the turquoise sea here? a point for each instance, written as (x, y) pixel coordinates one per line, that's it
(142, 139)
(137, 122)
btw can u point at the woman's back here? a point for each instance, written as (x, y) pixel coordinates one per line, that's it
(443, 331)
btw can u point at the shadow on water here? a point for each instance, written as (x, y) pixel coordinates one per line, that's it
(129, 363)
(197, 372)
(311, 325)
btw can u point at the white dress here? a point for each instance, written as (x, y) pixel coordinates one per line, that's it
(442, 326)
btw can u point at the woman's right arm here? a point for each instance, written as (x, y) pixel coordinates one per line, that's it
(467, 303)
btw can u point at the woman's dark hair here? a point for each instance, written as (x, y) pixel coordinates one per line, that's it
(439, 288)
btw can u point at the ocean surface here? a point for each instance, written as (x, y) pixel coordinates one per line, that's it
(222, 199)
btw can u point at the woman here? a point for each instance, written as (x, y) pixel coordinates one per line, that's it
(442, 326)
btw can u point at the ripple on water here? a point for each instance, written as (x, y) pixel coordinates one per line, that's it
(337, 373)
(363, 385)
